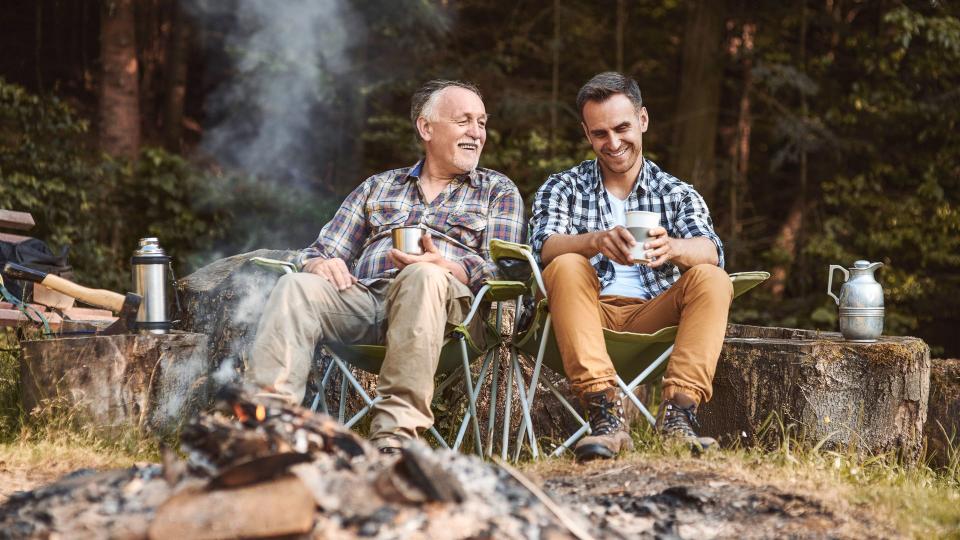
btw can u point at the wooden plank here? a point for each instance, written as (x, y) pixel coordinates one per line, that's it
(15, 317)
(21, 221)
(14, 238)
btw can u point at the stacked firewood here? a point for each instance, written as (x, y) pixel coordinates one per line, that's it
(256, 469)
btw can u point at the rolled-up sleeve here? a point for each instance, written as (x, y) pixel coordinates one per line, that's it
(551, 213)
(693, 219)
(343, 236)
(504, 222)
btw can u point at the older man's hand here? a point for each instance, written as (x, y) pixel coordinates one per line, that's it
(333, 270)
(430, 255)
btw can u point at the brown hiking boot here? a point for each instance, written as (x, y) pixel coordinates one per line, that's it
(608, 429)
(677, 420)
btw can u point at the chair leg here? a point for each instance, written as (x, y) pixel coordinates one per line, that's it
(343, 397)
(627, 391)
(321, 398)
(532, 392)
(584, 425)
(476, 394)
(472, 404)
(508, 408)
(526, 423)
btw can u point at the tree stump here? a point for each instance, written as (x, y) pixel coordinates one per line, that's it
(114, 383)
(869, 396)
(942, 429)
(224, 300)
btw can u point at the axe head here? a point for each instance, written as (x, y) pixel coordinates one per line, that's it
(127, 317)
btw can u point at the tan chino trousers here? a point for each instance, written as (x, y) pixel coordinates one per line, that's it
(698, 302)
(411, 315)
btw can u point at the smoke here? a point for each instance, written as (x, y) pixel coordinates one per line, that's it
(276, 62)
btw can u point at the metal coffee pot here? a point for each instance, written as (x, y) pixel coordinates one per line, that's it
(861, 302)
(150, 265)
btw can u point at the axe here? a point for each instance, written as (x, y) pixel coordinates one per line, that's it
(125, 306)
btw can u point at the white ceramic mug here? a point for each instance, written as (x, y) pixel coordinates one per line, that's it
(639, 224)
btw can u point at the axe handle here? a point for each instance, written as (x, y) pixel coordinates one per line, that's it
(96, 297)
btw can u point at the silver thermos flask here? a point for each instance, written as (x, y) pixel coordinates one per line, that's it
(149, 264)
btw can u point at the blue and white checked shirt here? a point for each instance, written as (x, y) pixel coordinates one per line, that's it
(575, 202)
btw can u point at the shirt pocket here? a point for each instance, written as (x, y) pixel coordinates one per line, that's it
(467, 228)
(386, 218)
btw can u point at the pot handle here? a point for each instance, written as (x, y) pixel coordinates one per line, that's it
(846, 277)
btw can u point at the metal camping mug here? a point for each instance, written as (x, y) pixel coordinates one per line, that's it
(407, 239)
(149, 264)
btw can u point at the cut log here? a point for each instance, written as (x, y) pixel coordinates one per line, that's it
(868, 396)
(113, 383)
(21, 221)
(942, 429)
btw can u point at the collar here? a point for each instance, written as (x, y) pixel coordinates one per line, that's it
(640, 186)
(414, 173)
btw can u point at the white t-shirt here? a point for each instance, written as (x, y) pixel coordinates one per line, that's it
(627, 280)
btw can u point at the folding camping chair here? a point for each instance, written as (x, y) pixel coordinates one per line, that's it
(458, 353)
(639, 358)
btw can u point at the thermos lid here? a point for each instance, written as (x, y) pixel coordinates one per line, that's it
(149, 247)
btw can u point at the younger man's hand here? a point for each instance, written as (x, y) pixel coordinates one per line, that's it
(659, 247)
(615, 244)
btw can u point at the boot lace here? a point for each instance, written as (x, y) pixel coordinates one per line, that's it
(605, 416)
(680, 421)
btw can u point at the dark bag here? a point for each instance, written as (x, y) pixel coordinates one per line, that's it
(34, 254)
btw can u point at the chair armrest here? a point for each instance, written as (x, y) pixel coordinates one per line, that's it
(501, 249)
(744, 281)
(282, 267)
(504, 290)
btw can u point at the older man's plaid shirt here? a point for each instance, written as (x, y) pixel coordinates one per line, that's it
(575, 202)
(470, 211)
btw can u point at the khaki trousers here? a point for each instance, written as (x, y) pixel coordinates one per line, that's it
(411, 315)
(698, 302)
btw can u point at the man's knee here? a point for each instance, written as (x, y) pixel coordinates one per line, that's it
(713, 277)
(566, 265)
(422, 272)
(302, 285)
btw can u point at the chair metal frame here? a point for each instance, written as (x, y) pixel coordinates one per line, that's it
(537, 337)
(458, 344)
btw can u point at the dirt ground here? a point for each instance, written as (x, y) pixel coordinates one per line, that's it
(648, 497)
(642, 497)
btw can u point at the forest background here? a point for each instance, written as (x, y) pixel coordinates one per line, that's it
(819, 132)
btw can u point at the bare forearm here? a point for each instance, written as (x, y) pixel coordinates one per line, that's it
(689, 252)
(559, 244)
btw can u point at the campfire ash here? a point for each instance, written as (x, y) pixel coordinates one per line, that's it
(255, 469)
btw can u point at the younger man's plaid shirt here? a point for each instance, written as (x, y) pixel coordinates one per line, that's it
(575, 202)
(470, 211)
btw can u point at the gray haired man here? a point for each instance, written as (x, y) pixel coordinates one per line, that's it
(356, 289)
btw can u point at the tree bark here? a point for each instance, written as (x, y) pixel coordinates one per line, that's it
(114, 383)
(175, 85)
(555, 78)
(742, 47)
(942, 429)
(698, 103)
(621, 28)
(119, 87)
(785, 248)
(816, 387)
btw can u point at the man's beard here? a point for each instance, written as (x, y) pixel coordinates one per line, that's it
(466, 164)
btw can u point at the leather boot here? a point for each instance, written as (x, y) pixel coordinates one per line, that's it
(608, 430)
(677, 419)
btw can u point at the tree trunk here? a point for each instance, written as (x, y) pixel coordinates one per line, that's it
(114, 383)
(621, 28)
(175, 85)
(119, 91)
(698, 104)
(743, 47)
(942, 429)
(817, 387)
(555, 79)
(785, 248)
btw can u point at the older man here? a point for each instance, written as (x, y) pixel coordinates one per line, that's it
(579, 233)
(355, 288)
